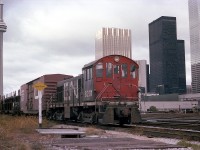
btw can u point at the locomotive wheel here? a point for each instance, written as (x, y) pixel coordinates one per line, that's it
(95, 119)
(121, 121)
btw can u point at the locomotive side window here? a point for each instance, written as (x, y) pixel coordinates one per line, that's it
(116, 69)
(108, 69)
(85, 74)
(99, 69)
(90, 73)
(124, 70)
(133, 71)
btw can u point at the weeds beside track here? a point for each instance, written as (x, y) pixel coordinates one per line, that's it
(15, 129)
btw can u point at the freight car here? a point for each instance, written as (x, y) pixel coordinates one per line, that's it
(10, 104)
(26, 99)
(106, 92)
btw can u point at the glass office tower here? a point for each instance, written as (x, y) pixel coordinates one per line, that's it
(167, 57)
(194, 20)
(111, 41)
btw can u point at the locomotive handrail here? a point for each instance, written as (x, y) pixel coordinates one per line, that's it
(114, 98)
(103, 90)
(105, 99)
(106, 86)
(116, 89)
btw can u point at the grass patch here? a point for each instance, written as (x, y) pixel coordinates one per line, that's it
(15, 129)
(187, 144)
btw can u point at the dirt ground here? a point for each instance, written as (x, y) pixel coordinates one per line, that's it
(19, 133)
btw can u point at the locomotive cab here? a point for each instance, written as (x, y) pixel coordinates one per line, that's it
(112, 83)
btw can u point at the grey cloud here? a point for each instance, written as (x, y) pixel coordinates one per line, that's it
(48, 36)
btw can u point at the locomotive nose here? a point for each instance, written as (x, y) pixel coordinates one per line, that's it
(116, 84)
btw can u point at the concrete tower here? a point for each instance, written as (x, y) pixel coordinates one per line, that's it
(3, 28)
(143, 75)
(113, 41)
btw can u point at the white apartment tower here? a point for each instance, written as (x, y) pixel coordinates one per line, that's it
(112, 41)
(3, 28)
(143, 73)
(194, 20)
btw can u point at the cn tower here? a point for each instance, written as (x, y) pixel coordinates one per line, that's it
(3, 28)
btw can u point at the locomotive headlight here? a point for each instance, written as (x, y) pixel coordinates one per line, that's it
(116, 58)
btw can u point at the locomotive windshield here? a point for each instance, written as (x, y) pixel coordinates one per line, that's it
(124, 70)
(116, 69)
(108, 69)
(133, 71)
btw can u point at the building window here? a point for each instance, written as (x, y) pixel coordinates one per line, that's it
(124, 70)
(99, 69)
(108, 69)
(133, 71)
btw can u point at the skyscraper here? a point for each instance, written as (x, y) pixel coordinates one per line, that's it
(111, 41)
(167, 56)
(194, 19)
(2, 29)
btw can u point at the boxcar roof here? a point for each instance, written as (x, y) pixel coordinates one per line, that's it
(61, 83)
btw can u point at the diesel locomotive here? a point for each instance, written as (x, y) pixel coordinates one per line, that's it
(106, 92)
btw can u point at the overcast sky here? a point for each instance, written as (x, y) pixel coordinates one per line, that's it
(58, 36)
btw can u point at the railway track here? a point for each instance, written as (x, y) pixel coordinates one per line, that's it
(195, 125)
(164, 130)
(167, 132)
(182, 126)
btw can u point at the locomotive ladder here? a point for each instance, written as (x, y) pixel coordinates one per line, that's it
(99, 95)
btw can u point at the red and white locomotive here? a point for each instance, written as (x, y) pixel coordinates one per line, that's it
(106, 92)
